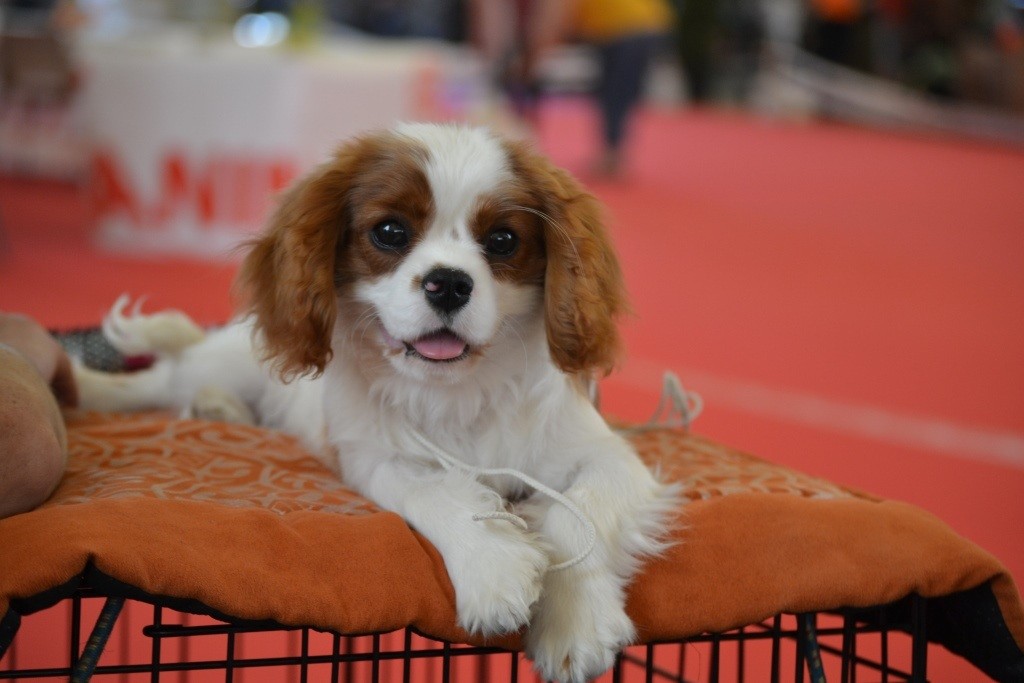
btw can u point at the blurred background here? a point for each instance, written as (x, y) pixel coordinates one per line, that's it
(817, 202)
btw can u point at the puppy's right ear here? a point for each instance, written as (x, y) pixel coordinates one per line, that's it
(288, 277)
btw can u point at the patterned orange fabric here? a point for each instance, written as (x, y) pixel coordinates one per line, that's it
(708, 470)
(244, 521)
(149, 456)
(244, 467)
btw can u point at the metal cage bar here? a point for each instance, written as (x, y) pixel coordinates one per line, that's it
(800, 645)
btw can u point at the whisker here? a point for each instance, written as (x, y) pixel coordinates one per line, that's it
(362, 324)
(512, 325)
(554, 224)
(366, 322)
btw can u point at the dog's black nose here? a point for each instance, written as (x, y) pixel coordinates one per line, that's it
(447, 289)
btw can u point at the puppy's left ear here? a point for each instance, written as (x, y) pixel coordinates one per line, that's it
(584, 294)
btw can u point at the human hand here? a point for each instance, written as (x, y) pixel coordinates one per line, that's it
(33, 343)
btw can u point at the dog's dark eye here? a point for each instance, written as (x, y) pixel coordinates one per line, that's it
(501, 242)
(390, 235)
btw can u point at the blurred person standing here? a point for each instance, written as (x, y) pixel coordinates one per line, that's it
(698, 25)
(934, 33)
(719, 43)
(624, 33)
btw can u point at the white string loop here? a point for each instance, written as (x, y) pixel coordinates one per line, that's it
(448, 461)
(500, 514)
(677, 408)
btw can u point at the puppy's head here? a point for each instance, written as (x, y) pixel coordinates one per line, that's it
(433, 244)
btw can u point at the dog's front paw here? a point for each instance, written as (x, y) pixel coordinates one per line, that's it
(578, 629)
(214, 403)
(498, 579)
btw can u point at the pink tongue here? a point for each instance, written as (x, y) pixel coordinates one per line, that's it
(439, 346)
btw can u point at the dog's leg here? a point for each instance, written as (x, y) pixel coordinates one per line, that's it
(215, 375)
(128, 391)
(214, 403)
(495, 566)
(580, 622)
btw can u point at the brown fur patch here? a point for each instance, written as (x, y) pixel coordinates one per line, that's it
(584, 292)
(318, 241)
(392, 187)
(516, 211)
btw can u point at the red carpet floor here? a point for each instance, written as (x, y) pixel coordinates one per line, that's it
(848, 302)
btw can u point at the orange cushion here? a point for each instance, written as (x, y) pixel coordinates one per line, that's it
(247, 523)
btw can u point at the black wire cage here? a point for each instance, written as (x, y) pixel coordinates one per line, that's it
(114, 638)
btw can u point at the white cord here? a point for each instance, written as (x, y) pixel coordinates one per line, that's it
(677, 407)
(448, 461)
(501, 514)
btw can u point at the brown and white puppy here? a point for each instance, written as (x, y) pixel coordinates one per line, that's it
(428, 306)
